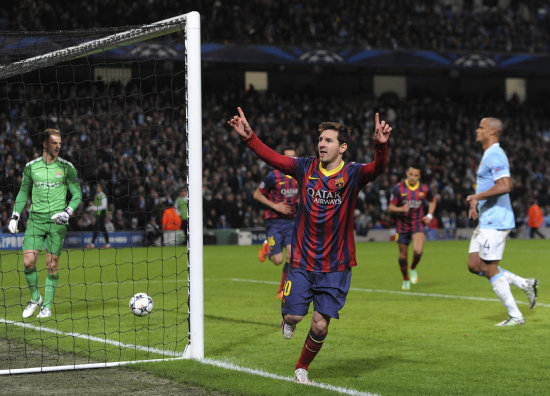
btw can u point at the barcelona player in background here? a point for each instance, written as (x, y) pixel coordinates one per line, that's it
(323, 244)
(279, 193)
(407, 200)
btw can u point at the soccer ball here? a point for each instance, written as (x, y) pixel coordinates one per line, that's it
(141, 304)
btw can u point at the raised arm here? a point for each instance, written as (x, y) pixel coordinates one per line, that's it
(281, 162)
(382, 130)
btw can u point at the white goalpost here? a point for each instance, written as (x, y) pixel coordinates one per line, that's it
(148, 97)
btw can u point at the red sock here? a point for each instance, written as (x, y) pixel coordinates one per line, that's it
(404, 270)
(312, 346)
(283, 278)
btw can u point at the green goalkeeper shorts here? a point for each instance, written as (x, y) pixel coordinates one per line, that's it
(43, 233)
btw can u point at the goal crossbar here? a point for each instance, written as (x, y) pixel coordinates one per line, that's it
(88, 48)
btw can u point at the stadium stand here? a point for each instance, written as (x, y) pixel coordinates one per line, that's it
(439, 132)
(489, 25)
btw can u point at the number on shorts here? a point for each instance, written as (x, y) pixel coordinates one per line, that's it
(288, 286)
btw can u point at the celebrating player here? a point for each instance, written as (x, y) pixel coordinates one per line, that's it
(48, 177)
(407, 200)
(491, 205)
(279, 192)
(323, 245)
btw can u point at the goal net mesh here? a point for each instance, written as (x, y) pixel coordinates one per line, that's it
(119, 97)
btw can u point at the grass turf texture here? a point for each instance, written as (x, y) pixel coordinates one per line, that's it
(439, 338)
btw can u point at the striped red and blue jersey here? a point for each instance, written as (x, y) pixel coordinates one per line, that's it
(415, 196)
(278, 187)
(323, 239)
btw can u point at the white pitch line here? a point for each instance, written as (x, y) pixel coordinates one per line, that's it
(434, 295)
(231, 366)
(221, 364)
(91, 338)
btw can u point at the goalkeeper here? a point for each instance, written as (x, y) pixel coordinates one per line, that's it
(48, 177)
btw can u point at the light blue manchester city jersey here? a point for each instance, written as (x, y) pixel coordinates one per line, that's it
(494, 212)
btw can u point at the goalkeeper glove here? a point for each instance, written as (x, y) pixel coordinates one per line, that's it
(12, 226)
(62, 218)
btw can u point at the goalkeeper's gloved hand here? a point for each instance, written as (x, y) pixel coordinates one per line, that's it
(62, 218)
(12, 226)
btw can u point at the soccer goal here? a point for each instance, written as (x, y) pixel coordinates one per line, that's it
(128, 104)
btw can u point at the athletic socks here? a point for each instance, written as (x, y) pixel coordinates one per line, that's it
(32, 281)
(415, 260)
(514, 279)
(49, 292)
(312, 346)
(404, 270)
(501, 287)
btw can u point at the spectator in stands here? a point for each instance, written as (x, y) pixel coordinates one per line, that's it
(153, 233)
(535, 219)
(171, 220)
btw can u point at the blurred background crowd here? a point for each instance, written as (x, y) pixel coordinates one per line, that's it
(139, 155)
(510, 25)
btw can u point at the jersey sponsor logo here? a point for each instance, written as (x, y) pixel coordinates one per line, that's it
(46, 185)
(323, 197)
(289, 192)
(413, 203)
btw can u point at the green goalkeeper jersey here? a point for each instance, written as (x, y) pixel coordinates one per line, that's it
(48, 184)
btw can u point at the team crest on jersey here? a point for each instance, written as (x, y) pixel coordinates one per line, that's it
(58, 174)
(339, 183)
(421, 195)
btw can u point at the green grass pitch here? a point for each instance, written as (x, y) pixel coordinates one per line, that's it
(437, 339)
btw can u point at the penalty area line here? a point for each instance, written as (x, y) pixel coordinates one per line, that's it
(433, 295)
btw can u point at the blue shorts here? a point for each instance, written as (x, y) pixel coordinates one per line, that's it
(279, 234)
(406, 237)
(328, 290)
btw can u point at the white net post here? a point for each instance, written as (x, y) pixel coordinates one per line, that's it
(195, 348)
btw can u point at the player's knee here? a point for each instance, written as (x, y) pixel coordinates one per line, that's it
(292, 319)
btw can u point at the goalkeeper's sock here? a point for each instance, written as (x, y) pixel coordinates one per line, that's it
(403, 266)
(283, 277)
(311, 348)
(51, 284)
(32, 281)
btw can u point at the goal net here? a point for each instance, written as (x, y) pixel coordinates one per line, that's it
(128, 104)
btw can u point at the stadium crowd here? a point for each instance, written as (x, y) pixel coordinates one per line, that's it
(135, 146)
(138, 151)
(486, 25)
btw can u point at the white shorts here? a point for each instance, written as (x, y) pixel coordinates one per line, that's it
(489, 243)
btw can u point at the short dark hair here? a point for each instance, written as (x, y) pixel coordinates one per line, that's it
(415, 165)
(343, 131)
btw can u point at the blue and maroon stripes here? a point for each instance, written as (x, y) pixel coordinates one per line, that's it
(323, 239)
(415, 196)
(280, 188)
